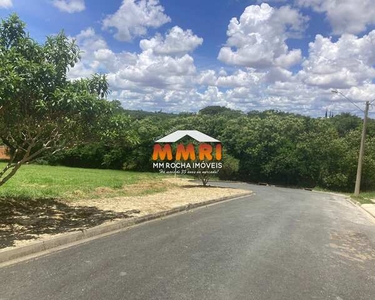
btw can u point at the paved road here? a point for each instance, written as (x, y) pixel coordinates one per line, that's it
(278, 244)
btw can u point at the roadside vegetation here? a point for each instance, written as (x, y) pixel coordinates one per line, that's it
(78, 160)
(46, 182)
(42, 111)
(270, 146)
(365, 198)
(48, 119)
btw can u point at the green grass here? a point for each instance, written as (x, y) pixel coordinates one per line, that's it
(320, 189)
(36, 181)
(365, 197)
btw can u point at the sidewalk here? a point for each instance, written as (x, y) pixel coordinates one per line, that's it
(370, 208)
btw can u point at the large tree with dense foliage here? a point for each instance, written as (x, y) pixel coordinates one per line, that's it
(41, 111)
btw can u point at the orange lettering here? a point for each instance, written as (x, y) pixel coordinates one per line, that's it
(205, 151)
(185, 153)
(218, 152)
(161, 153)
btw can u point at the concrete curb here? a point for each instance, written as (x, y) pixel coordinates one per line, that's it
(370, 208)
(71, 237)
(364, 207)
(353, 202)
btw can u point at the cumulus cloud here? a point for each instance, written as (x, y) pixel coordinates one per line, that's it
(345, 16)
(90, 43)
(176, 42)
(342, 64)
(154, 81)
(163, 74)
(70, 6)
(149, 70)
(97, 56)
(258, 38)
(172, 100)
(142, 71)
(239, 78)
(6, 3)
(134, 17)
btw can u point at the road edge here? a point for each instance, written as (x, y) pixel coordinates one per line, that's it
(354, 202)
(361, 206)
(8, 255)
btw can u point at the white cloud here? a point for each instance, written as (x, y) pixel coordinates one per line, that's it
(149, 70)
(70, 6)
(176, 42)
(6, 3)
(289, 59)
(97, 57)
(207, 78)
(137, 72)
(134, 17)
(258, 38)
(342, 64)
(163, 75)
(278, 74)
(153, 81)
(345, 16)
(172, 101)
(238, 78)
(362, 93)
(90, 42)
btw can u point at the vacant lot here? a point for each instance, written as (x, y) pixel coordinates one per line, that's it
(41, 201)
(36, 182)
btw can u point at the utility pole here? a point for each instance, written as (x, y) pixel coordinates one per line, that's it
(363, 140)
(361, 152)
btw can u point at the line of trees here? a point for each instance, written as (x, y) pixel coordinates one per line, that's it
(46, 116)
(269, 146)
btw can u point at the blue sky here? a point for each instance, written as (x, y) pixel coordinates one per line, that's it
(179, 55)
(206, 20)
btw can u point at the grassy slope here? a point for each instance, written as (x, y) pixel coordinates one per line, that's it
(365, 197)
(34, 181)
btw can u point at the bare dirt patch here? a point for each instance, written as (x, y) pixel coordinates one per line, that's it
(352, 246)
(23, 220)
(177, 192)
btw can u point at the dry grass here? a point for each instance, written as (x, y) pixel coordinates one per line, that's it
(173, 193)
(25, 220)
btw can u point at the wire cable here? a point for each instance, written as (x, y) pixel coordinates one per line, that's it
(338, 92)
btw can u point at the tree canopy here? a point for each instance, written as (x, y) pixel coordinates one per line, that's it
(269, 146)
(43, 113)
(40, 109)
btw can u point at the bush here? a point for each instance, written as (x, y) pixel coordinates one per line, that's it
(230, 168)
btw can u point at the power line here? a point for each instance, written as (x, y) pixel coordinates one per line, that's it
(363, 138)
(338, 92)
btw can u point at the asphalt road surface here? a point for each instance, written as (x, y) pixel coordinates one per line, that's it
(278, 244)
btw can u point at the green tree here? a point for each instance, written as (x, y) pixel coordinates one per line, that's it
(218, 110)
(230, 167)
(41, 111)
